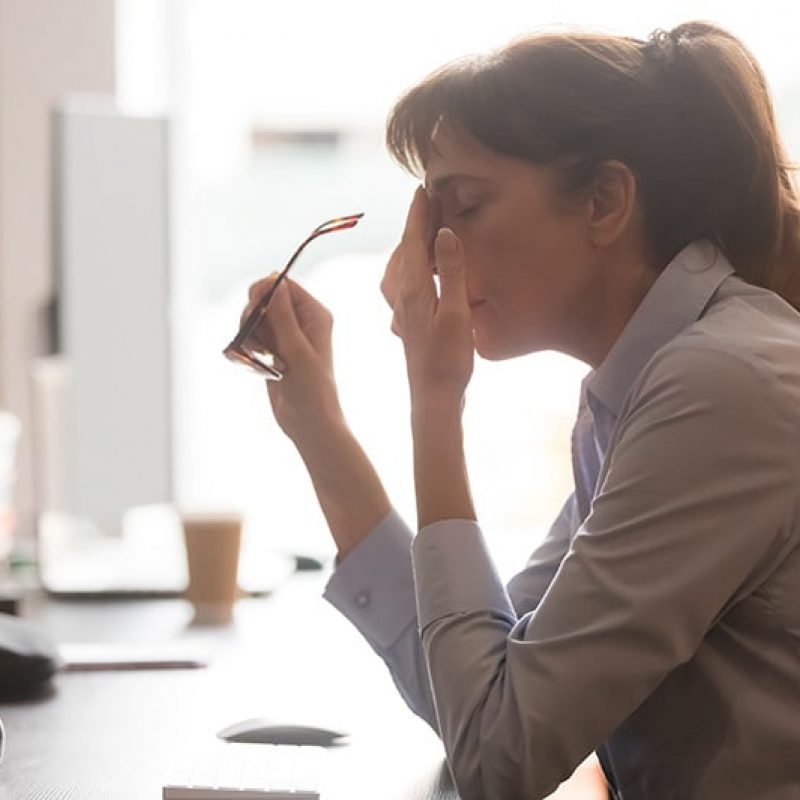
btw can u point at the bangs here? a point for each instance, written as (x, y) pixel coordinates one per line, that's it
(443, 98)
(540, 98)
(510, 101)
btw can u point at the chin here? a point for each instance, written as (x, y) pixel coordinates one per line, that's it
(492, 349)
(496, 349)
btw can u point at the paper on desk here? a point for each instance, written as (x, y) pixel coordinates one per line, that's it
(80, 657)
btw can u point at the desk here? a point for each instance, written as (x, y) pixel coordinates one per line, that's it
(290, 657)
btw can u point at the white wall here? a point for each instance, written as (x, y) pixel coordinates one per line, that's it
(47, 47)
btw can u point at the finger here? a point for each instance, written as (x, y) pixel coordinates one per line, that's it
(435, 221)
(449, 257)
(415, 303)
(416, 298)
(254, 294)
(390, 283)
(415, 219)
(423, 218)
(304, 303)
(395, 326)
(315, 320)
(416, 240)
(290, 342)
(306, 307)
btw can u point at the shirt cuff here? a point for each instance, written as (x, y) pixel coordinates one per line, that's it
(373, 586)
(454, 573)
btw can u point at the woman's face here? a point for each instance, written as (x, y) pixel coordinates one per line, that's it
(528, 258)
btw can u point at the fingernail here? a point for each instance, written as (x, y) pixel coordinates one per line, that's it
(448, 244)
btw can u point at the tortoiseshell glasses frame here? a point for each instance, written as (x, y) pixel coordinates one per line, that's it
(254, 355)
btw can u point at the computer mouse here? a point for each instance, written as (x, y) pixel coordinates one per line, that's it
(307, 563)
(263, 731)
(28, 658)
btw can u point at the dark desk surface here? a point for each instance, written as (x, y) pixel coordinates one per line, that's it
(290, 657)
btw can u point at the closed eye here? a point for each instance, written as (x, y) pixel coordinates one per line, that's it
(466, 212)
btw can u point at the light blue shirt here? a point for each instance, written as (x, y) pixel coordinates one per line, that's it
(659, 622)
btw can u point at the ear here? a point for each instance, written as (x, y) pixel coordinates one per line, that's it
(612, 202)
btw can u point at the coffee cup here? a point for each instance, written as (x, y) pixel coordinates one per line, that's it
(212, 540)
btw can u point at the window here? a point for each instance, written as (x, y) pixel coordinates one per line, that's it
(279, 114)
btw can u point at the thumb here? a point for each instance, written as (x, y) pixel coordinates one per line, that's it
(449, 260)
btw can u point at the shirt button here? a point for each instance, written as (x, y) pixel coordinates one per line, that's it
(362, 598)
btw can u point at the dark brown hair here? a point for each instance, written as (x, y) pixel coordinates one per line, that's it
(688, 111)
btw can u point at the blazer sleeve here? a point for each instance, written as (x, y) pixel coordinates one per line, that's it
(699, 494)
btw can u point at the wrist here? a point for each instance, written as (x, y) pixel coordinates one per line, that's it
(306, 415)
(435, 410)
(440, 471)
(314, 439)
(349, 490)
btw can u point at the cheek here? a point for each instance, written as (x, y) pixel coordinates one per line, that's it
(537, 268)
(530, 280)
(501, 264)
(489, 250)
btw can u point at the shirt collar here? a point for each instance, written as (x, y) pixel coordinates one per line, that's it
(676, 300)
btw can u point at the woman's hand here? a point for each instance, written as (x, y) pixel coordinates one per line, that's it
(297, 328)
(436, 329)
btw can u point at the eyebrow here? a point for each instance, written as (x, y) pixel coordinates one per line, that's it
(443, 182)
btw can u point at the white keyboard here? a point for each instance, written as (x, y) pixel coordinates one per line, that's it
(235, 771)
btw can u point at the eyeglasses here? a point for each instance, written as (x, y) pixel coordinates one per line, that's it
(254, 355)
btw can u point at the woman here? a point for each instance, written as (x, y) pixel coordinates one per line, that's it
(629, 203)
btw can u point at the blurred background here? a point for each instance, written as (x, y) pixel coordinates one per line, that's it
(157, 157)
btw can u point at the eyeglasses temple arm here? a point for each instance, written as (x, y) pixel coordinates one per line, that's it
(253, 317)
